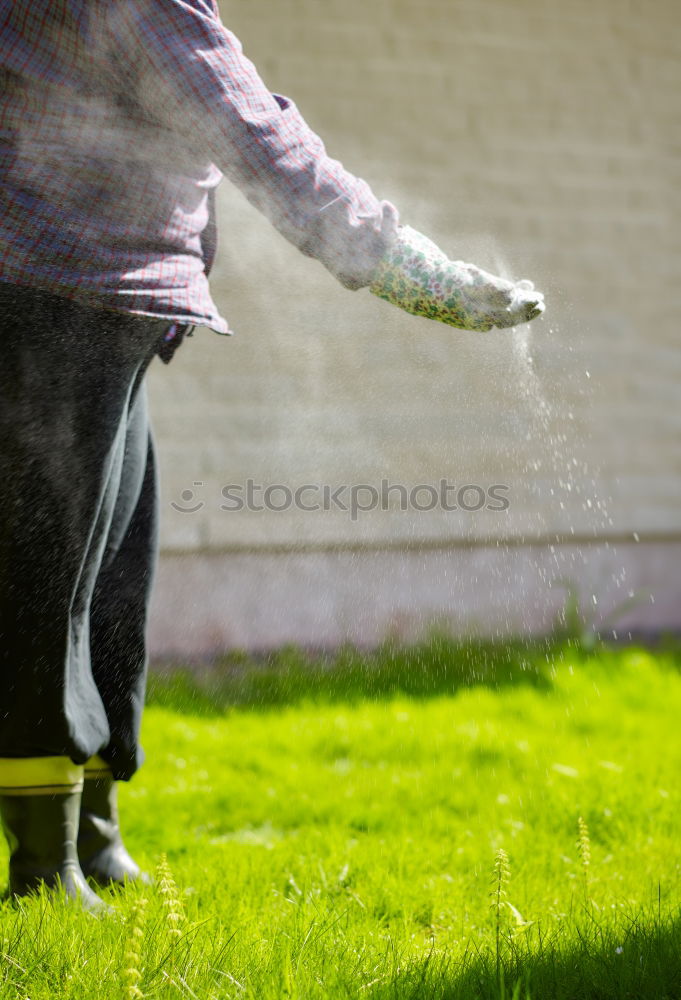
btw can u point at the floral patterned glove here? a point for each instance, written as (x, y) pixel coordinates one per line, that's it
(419, 278)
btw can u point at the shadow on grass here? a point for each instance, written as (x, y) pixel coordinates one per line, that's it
(636, 958)
(439, 665)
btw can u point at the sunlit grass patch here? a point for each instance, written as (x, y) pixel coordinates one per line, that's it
(335, 844)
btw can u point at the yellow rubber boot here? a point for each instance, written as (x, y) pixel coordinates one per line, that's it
(40, 810)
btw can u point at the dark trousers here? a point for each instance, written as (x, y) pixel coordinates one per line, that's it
(78, 528)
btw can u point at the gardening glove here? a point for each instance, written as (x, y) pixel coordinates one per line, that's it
(418, 277)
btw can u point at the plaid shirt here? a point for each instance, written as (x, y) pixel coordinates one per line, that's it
(117, 121)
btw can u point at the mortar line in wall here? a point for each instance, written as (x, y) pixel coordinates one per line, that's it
(428, 545)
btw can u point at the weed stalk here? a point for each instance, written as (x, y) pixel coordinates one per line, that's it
(133, 953)
(170, 897)
(500, 879)
(584, 848)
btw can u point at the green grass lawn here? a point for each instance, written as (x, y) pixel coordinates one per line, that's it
(335, 831)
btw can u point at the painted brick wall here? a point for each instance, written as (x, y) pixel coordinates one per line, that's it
(531, 136)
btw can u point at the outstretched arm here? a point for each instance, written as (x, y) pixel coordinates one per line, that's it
(189, 74)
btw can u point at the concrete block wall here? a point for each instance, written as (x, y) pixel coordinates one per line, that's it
(532, 137)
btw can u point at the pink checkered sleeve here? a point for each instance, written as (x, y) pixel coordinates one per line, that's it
(189, 72)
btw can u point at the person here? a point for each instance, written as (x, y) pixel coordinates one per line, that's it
(117, 122)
